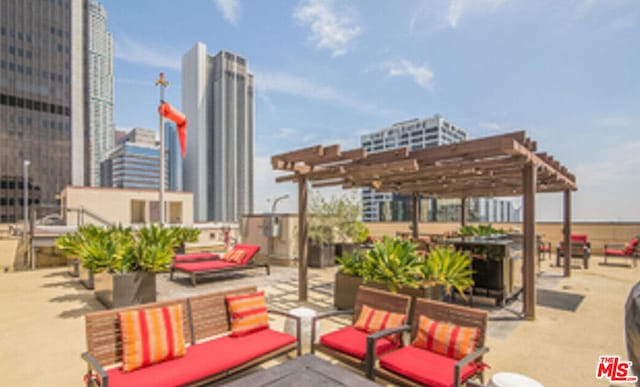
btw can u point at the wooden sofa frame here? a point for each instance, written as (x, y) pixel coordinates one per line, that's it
(205, 316)
(375, 298)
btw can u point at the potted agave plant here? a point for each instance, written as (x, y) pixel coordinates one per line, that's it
(348, 278)
(449, 270)
(76, 246)
(183, 235)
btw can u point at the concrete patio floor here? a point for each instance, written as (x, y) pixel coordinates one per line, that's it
(42, 324)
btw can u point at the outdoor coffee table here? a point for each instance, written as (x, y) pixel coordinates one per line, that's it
(307, 370)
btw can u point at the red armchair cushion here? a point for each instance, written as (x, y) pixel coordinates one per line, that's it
(203, 266)
(353, 342)
(579, 238)
(203, 360)
(373, 320)
(425, 367)
(620, 253)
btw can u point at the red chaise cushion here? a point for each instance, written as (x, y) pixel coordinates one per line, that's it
(203, 266)
(250, 250)
(203, 360)
(353, 342)
(425, 367)
(620, 253)
(195, 256)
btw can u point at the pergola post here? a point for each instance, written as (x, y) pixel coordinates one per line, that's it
(302, 240)
(566, 230)
(415, 218)
(529, 268)
(463, 212)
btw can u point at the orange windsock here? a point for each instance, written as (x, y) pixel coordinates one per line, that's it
(172, 114)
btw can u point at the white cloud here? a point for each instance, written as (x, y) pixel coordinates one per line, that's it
(130, 50)
(422, 75)
(330, 28)
(450, 15)
(230, 10)
(279, 82)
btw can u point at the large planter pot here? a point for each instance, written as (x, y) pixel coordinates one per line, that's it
(344, 293)
(115, 290)
(346, 288)
(86, 277)
(321, 255)
(73, 265)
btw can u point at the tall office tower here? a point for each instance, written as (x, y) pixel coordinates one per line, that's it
(173, 156)
(42, 101)
(415, 134)
(134, 162)
(99, 132)
(217, 98)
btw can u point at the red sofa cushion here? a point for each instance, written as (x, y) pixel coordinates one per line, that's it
(425, 367)
(620, 253)
(353, 342)
(203, 266)
(195, 256)
(203, 360)
(579, 238)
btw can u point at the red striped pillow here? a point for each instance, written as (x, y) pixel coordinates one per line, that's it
(373, 320)
(248, 313)
(150, 336)
(445, 338)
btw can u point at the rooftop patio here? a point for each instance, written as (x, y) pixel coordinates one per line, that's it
(578, 319)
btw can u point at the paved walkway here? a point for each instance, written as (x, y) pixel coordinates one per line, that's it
(578, 319)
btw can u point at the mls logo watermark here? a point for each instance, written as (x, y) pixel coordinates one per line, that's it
(614, 369)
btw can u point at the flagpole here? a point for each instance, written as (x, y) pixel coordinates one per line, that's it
(163, 83)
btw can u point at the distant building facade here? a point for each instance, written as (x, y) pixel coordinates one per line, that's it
(42, 100)
(134, 163)
(218, 100)
(99, 135)
(174, 156)
(414, 134)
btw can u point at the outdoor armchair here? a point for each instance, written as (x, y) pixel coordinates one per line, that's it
(414, 365)
(630, 250)
(349, 343)
(580, 248)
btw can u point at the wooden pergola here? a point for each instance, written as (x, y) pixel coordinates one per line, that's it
(503, 165)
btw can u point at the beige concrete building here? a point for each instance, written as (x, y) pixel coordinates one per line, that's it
(95, 205)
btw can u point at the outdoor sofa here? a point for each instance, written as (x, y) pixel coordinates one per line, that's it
(211, 352)
(200, 264)
(630, 250)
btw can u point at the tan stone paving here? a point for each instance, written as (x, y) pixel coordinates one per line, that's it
(42, 325)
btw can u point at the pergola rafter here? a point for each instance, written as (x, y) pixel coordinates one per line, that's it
(503, 165)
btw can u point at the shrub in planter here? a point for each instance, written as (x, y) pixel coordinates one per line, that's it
(183, 235)
(449, 268)
(393, 262)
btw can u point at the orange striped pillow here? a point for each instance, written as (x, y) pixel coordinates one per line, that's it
(150, 336)
(248, 313)
(373, 320)
(235, 256)
(445, 338)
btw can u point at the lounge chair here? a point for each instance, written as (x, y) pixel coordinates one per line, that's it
(414, 365)
(580, 248)
(207, 263)
(631, 250)
(349, 343)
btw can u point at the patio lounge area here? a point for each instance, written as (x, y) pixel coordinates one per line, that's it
(578, 319)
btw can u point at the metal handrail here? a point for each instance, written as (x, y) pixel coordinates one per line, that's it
(83, 211)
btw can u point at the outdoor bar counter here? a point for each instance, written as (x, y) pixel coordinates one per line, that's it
(496, 264)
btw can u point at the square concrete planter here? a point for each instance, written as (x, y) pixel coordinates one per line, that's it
(73, 264)
(116, 290)
(86, 276)
(321, 255)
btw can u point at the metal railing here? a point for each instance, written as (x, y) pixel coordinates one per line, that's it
(82, 212)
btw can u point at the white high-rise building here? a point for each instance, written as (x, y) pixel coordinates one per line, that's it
(217, 98)
(99, 131)
(415, 134)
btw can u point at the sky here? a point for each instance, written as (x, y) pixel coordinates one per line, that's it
(567, 72)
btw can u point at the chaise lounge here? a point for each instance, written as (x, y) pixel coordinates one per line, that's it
(237, 259)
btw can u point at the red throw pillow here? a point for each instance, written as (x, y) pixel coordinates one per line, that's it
(151, 335)
(248, 313)
(445, 338)
(373, 320)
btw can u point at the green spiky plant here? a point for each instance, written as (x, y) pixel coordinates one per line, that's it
(352, 263)
(450, 268)
(182, 235)
(152, 250)
(393, 262)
